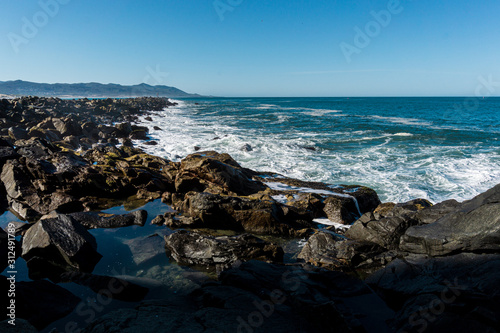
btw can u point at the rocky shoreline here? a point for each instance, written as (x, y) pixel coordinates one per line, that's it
(381, 267)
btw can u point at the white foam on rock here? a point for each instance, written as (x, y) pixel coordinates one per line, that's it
(284, 187)
(325, 221)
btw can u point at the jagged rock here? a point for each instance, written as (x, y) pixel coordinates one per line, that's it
(112, 287)
(18, 133)
(217, 173)
(341, 209)
(139, 133)
(7, 153)
(327, 250)
(246, 147)
(432, 214)
(472, 226)
(191, 248)
(124, 129)
(91, 220)
(67, 126)
(52, 246)
(311, 203)
(237, 213)
(386, 225)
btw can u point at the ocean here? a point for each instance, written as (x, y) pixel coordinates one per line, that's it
(404, 148)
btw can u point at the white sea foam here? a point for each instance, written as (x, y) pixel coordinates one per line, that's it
(325, 221)
(403, 121)
(397, 172)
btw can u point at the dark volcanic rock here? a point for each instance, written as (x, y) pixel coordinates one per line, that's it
(92, 220)
(341, 209)
(18, 133)
(238, 213)
(217, 173)
(55, 245)
(386, 225)
(191, 248)
(473, 226)
(432, 214)
(327, 250)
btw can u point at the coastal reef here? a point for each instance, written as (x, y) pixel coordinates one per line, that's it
(357, 264)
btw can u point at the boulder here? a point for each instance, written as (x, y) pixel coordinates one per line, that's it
(7, 153)
(386, 225)
(341, 209)
(92, 220)
(432, 214)
(192, 248)
(331, 251)
(217, 173)
(237, 213)
(52, 246)
(124, 129)
(18, 133)
(67, 126)
(473, 226)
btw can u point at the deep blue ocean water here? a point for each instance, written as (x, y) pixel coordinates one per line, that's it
(433, 148)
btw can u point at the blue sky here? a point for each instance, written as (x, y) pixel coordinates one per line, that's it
(256, 47)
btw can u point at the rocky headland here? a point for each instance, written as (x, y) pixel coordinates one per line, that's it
(366, 266)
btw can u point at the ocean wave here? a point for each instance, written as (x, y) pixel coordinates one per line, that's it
(398, 164)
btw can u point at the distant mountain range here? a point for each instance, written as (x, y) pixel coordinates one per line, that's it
(92, 89)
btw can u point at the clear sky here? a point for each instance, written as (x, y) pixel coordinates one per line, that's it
(257, 47)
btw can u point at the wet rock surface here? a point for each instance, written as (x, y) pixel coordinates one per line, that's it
(191, 248)
(52, 246)
(472, 226)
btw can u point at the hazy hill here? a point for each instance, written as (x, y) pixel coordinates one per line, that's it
(92, 89)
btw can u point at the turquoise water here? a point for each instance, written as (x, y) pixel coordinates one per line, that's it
(434, 148)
